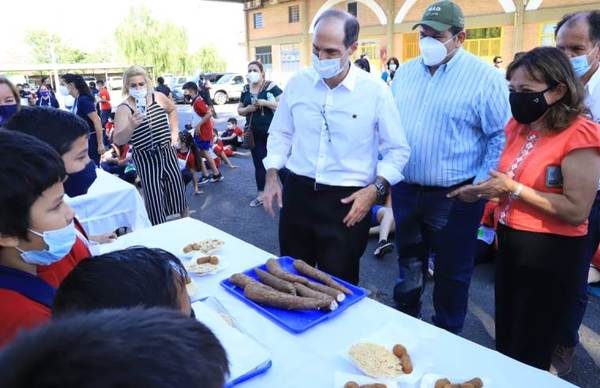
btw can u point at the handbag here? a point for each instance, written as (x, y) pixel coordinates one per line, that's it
(248, 135)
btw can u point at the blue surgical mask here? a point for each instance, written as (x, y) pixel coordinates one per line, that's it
(327, 68)
(59, 242)
(6, 112)
(581, 64)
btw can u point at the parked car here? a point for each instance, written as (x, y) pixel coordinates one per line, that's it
(175, 84)
(228, 87)
(115, 82)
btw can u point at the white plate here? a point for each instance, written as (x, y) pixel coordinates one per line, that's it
(218, 268)
(392, 334)
(341, 378)
(192, 254)
(428, 381)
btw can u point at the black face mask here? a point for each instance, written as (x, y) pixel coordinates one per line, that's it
(527, 107)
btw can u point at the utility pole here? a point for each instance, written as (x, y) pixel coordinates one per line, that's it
(519, 20)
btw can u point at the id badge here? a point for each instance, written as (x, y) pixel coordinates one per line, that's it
(554, 178)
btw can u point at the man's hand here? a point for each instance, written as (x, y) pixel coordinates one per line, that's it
(363, 200)
(272, 191)
(101, 149)
(104, 238)
(466, 193)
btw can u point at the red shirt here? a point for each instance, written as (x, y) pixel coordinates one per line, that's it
(542, 162)
(19, 312)
(105, 96)
(201, 109)
(238, 131)
(191, 159)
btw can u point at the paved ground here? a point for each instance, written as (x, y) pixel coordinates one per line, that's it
(225, 206)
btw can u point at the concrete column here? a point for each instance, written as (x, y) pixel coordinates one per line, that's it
(389, 28)
(518, 25)
(306, 45)
(247, 30)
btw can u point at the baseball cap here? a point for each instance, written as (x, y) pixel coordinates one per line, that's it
(441, 16)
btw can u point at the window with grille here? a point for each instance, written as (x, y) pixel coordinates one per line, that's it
(290, 58)
(484, 42)
(547, 34)
(294, 14)
(258, 20)
(410, 45)
(263, 54)
(353, 9)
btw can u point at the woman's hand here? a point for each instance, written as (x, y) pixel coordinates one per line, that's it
(252, 108)
(499, 185)
(262, 103)
(136, 119)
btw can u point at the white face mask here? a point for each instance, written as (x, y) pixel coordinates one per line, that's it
(392, 67)
(63, 90)
(138, 93)
(328, 68)
(433, 51)
(253, 77)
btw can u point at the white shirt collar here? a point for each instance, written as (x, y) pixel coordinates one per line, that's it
(349, 82)
(594, 82)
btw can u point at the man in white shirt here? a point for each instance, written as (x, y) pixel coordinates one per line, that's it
(578, 36)
(332, 123)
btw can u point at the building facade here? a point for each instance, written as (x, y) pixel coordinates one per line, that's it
(279, 32)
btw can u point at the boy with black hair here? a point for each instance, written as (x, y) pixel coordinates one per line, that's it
(233, 135)
(202, 126)
(126, 278)
(118, 348)
(68, 135)
(39, 240)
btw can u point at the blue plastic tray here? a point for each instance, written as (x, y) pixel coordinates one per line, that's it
(295, 321)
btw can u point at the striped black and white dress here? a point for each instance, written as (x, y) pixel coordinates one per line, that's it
(156, 164)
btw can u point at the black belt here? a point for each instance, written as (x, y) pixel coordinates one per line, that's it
(310, 182)
(440, 188)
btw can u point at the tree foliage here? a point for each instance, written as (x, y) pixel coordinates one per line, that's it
(144, 40)
(208, 60)
(43, 42)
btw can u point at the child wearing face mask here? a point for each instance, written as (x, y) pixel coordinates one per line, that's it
(233, 135)
(40, 240)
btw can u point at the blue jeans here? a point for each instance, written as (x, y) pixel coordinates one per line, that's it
(569, 334)
(427, 221)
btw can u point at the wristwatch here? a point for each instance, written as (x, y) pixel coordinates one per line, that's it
(381, 187)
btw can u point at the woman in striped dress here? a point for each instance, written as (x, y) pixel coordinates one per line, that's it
(148, 121)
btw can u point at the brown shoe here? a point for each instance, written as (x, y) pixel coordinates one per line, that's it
(562, 361)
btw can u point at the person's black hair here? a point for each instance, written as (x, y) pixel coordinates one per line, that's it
(189, 142)
(232, 120)
(160, 80)
(592, 18)
(362, 63)
(496, 58)
(100, 82)
(395, 60)
(56, 127)
(552, 67)
(130, 277)
(79, 83)
(92, 85)
(118, 348)
(190, 85)
(29, 167)
(351, 25)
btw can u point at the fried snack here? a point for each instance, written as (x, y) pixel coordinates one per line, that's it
(375, 360)
(275, 269)
(376, 385)
(351, 384)
(214, 260)
(310, 271)
(271, 297)
(475, 382)
(441, 383)
(205, 246)
(338, 295)
(400, 352)
(302, 290)
(275, 282)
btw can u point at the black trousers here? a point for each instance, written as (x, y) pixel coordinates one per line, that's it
(537, 279)
(259, 152)
(311, 227)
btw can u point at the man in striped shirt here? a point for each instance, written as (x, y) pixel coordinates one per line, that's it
(453, 107)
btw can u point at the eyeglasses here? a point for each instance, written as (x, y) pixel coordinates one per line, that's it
(141, 85)
(326, 123)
